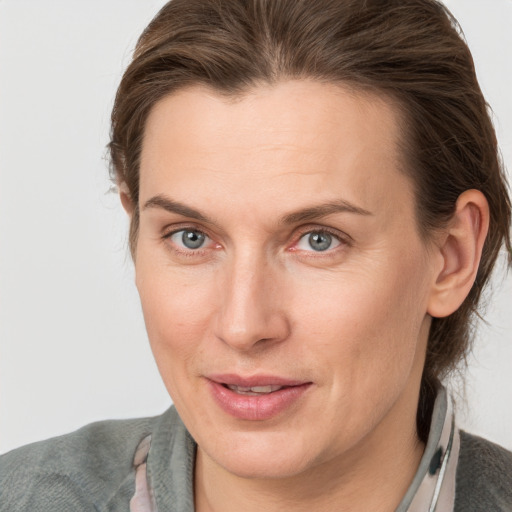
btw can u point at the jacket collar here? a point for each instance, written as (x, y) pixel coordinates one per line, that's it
(171, 458)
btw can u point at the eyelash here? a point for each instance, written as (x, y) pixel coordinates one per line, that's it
(190, 253)
(343, 239)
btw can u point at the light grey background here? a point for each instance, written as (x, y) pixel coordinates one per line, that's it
(72, 343)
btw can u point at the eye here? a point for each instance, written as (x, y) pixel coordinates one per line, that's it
(191, 239)
(318, 241)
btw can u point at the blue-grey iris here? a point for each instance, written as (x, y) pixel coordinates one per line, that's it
(192, 239)
(320, 241)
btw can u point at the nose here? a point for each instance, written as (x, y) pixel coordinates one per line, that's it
(250, 310)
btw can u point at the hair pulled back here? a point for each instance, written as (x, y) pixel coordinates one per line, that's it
(411, 51)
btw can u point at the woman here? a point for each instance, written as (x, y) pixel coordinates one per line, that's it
(316, 204)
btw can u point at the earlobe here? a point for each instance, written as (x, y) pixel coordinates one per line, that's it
(460, 249)
(126, 200)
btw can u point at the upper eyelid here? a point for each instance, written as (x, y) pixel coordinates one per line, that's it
(167, 234)
(340, 235)
(299, 232)
(169, 230)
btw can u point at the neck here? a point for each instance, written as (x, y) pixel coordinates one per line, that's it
(374, 475)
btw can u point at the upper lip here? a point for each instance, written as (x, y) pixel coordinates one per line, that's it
(231, 379)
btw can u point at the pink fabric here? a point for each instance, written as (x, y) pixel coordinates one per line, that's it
(142, 500)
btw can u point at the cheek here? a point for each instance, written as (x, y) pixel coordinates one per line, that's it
(176, 311)
(365, 324)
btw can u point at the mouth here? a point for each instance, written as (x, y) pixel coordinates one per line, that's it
(253, 390)
(256, 398)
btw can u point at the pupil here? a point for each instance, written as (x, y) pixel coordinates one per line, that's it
(320, 241)
(192, 239)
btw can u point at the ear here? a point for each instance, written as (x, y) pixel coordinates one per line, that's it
(460, 250)
(126, 199)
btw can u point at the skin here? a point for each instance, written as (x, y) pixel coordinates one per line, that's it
(256, 298)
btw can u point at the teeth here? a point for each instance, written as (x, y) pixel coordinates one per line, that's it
(254, 390)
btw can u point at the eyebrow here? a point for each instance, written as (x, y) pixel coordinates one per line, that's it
(172, 206)
(303, 215)
(323, 210)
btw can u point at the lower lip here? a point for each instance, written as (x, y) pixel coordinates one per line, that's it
(256, 408)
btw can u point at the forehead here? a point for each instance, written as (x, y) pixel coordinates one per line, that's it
(291, 140)
(289, 111)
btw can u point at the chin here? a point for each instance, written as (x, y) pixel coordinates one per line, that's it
(262, 468)
(261, 456)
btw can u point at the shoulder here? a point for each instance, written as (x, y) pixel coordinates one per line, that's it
(84, 470)
(484, 476)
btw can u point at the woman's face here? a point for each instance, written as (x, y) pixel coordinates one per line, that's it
(284, 284)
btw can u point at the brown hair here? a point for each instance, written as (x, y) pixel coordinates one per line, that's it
(410, 50)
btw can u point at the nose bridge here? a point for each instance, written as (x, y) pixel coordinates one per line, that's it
(249, 304)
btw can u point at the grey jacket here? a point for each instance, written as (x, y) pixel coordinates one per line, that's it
(93, 470)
